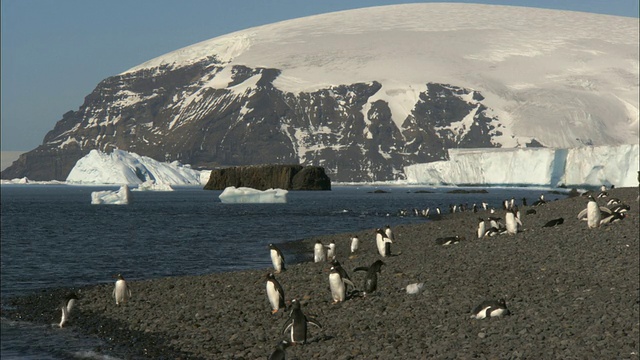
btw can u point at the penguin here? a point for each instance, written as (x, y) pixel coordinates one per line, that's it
(371, 280)
(492, 232)
(512, 222)
(318, 252)
(275, 294)
(279, 353)
(490, 308)
(475, 208)
(389, 233)
(613, 201)
(531, 212)
(383, 243)
(613, 217)
(524, 201)
(449, 240)
(277, 259)
(540, 201)
(297, 324)
(620, 208)
(593, 213)
(512, 203)
(121, 292)
(67, 305)
(554, 222)
(331, 250)
(481, 228)
(355, 244)
(338, 287)
(484, 205)
(495, 222)
(343, 273)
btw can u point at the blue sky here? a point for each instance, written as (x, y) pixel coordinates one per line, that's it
(55, 52)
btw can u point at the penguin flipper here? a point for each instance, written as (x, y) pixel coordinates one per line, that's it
(348, 282)
(582, 214)
(361, 268)
(287, 326)
(605, 210)
(314, 322)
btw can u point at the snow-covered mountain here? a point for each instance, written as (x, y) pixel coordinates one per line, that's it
(365, 93)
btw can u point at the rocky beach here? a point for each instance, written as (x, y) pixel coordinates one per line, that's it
(573, 293)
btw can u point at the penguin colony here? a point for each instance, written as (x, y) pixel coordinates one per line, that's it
(295, 329)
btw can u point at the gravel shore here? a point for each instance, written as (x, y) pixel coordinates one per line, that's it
(573, 293)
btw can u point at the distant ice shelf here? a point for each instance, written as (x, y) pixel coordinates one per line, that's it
(582, 166)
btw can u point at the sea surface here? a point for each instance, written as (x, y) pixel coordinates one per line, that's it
(53, 237)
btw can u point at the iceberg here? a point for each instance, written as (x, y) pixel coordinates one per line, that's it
(549, 167)
(110, 197)
(121, 167)
(151, 185)
(244, 195)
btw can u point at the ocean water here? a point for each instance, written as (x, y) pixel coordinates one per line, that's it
(53, 237)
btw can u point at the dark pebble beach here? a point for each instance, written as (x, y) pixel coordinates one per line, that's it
(573, 293)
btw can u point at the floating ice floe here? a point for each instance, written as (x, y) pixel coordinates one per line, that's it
(242, 195)
(111, 197)
(151, 185)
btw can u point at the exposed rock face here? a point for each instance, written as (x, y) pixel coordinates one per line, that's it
(262, 177)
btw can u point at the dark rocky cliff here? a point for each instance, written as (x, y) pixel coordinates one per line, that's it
(262, 177)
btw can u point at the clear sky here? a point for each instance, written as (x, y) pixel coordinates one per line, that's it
(55, 52)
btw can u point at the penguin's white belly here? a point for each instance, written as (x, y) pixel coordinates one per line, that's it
(380, 243)
(354, 245)
(512, 226)
(318, 253)
(593, 214)
(481, 230)
(121, 292)
(272, 294)
(338, 290)
(275, 260)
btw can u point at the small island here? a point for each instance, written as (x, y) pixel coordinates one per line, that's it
(263, 177)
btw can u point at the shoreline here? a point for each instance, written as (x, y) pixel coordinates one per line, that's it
(572, 291)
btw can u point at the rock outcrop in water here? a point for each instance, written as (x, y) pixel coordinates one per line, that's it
(262, 177)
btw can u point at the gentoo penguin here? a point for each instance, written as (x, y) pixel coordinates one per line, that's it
(279, 353)
(554, 222)
(297, 324)
(490, 308)
(67, 305)
(383, 243)
(355, 244)
(318, 252)
(484, 205)
(593, 213)
(481, 228)
(475, 208)
(331, 250)
(449, 240)
(275, 294)
(371, 281)
(338, 286)
(524, 201)
(389, 233)
(343, 273)
(613, 201)
(495, 222)
(540, 201)
(121, 291)
(512, 222)
(620, 208)
(277, 259)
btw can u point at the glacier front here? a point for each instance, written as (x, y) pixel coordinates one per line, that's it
(581, 166)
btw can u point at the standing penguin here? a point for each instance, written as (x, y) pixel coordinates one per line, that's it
(389, 233)
(121, 291)
(297, 324)
(481, 228)
(277, 259)
(275, 294)
(355, 244)
(67, 305)
(279, 353)
(331, 250)
(318, 252)
(371, 281)
(512, 222)
(383, 243)
(490, 308)
(593, 213)
(338, 287)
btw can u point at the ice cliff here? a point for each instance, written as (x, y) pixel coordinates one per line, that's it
(582, 166)
(122, 167)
